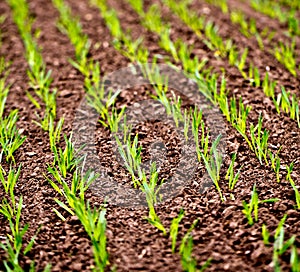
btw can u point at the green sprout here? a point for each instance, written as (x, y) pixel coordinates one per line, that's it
(252, 206)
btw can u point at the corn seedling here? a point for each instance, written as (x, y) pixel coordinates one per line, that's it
(247, 28)
(188, 262)
(193, 20)
(222, 4)
(174, 229)
(4, 89)
(280, 246)
(289, 106)
(252, 206)
(9, 181)
(10, 138)
(55, 132)
(70, 25)
(285, 54)
(149, 188)
(131, 156)
(265, 234)
(239, 116)
(259, 142)
(213, 162)
(40, 78)
(14, 242)
(230, 176)
(269, 86)
(187, 121)
(289, 178)
(93, 220)
(294, 259)
(270, 8)
(275, 163)
(289, 170)
(65, 159)
(197, 123)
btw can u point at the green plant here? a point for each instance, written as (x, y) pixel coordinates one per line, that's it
(269, 86)
(197, 122)
(288, 105)
(188, 262)
(222, 4)
(230, 176)
(10, 138)
(238, 116)
(131, 156)
(65, 159)
(259, 142)
(294, 259)
(285, 54)
(289, 178)
(289, 170)
(40, 78)
(93, 220)
(70, 25)
(275, 163)
(10, 181)
(213, 162)
(14, 246)
(148, 186)
(252, 206)
(55, 132)
(174, 229)
(270, 8)
(280, 246)
(265, 234)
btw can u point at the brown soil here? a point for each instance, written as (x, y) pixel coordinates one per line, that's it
(133, 244)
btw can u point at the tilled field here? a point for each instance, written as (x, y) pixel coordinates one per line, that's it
(243, 56)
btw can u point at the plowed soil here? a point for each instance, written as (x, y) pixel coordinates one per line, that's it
(222, 232)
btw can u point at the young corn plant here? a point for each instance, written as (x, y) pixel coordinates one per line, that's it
(188, 262)
(269, 86)
(254, 76)
(213, 162)
(197, 122)
(9, 181)
(280, 246)
(131, 155)
(149, 187)
(252, 206)
(65, 160)
(285, 54)
(14, 244)
(275, 163)
(10, 137)
(239, 115)
(230, 176)
(92, 219)
(193, 20)
(70, 25)
(259, 141)
(270, 8)
(289, 178)
(287, 105)
(222, 4)
(40, 78)
(247, 27)
(174, 229)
